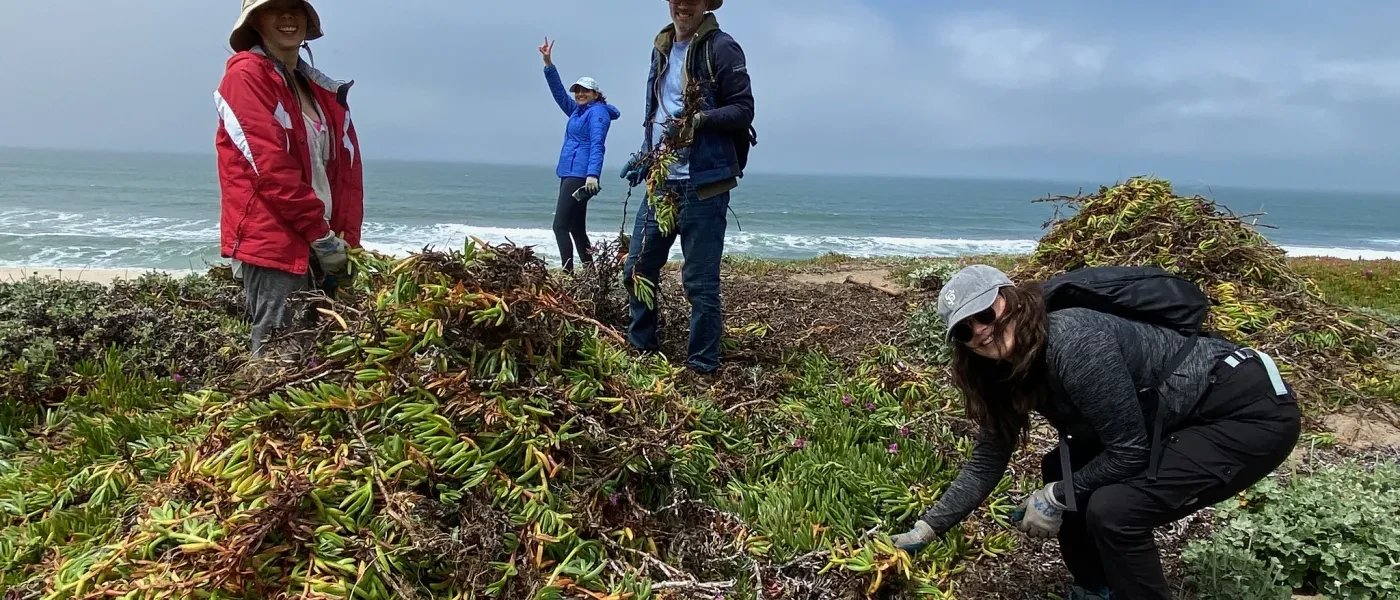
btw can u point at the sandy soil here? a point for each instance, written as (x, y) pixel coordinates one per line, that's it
(103, 276)
(875, 278)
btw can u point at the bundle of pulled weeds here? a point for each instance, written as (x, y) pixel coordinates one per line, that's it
(464, 430)
(1332, 354)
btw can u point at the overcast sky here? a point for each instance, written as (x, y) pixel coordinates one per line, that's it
(1285, 92)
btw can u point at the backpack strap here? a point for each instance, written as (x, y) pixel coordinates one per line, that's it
(1153, 393)
(1067, 481)
(1149, 394)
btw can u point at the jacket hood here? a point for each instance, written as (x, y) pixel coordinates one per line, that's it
(613, 112)
(667, 37)
(312, 74)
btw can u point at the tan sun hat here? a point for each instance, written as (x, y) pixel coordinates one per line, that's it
(712, 4)
(244, 37)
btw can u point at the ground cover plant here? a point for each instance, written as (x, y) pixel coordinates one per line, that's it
(470, 425)
(1333, 532)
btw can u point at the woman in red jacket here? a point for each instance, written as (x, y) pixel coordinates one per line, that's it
(289, 163)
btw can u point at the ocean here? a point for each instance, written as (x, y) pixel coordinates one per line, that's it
(73, 209)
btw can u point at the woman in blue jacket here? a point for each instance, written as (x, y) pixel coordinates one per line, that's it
(581, 160)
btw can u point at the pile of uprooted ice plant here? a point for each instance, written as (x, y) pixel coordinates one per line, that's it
(464, 429)
(1334, 355)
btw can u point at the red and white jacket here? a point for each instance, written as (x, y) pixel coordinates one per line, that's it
(270, 214)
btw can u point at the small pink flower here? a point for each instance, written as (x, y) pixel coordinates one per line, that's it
(613, 498)
(847, 400)
(904, 431)
(869, 406)
(177, 378)
(800, 443)
(894, 448)
(1370, 274)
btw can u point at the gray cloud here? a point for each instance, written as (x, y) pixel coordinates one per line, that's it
(841, 85)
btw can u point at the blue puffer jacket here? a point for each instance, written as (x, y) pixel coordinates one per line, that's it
(585, 138)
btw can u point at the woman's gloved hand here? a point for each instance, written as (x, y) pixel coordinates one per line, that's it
(332, 253)
(915, 539)
(1041, 513)
(591, 184)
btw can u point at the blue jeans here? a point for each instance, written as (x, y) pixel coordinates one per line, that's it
(700, 225)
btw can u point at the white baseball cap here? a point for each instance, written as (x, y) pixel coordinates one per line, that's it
(586, 83)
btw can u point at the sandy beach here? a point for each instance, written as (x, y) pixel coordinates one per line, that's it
(103, 276)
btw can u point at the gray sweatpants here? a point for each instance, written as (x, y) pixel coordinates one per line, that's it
(267, 291)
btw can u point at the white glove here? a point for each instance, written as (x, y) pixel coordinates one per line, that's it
(592, 184)
(915, 539)
(1041, 513)
(331, 252)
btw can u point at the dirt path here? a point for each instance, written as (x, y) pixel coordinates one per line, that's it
(875, 278)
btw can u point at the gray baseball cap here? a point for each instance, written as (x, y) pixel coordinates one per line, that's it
(972, 290)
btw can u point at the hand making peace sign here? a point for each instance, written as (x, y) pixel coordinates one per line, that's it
(547, 51)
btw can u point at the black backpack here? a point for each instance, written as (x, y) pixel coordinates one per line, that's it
(742, 140)
(1146, 294)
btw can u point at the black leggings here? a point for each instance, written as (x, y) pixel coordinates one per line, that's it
(1239, 433)
(571, 219)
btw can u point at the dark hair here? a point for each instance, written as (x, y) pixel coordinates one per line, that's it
(601, 97)
(1000, 394)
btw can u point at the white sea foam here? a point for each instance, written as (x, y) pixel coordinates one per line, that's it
(45, 238)
(1348, 253)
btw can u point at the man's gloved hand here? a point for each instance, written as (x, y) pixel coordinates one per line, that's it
(697, 121)
(1041, 514)
(915, 539)
(591, 184)
(634, 171)
(331, 252)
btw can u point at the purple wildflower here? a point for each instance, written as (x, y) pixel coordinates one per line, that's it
(869, 406)
(904, 431)
(177, 378)
(313, 363)
(847, 400)
(613, 498)
(799, 443)
(894, 448)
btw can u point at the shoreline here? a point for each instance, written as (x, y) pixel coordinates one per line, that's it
(110, 274)
(102, 276)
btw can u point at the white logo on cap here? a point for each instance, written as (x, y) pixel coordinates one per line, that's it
(950, 297)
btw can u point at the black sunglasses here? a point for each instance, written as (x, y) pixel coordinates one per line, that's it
(962, 332)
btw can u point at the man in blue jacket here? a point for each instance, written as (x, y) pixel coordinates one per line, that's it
(692, 47)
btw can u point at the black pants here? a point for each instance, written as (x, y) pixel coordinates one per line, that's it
(1241, 431)
(571, 219)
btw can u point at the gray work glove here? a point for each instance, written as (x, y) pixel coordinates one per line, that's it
(331, 252)
(1040, 515)
(634, 171)
(915, 539)
(591, 184)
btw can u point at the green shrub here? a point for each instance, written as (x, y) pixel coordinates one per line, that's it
(1221, 572)
(1334, 531)
(186, 327)
(932, 276)
(928, 335)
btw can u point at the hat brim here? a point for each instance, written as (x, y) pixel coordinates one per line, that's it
(982, 302)
(715, 4)
(244, 37)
